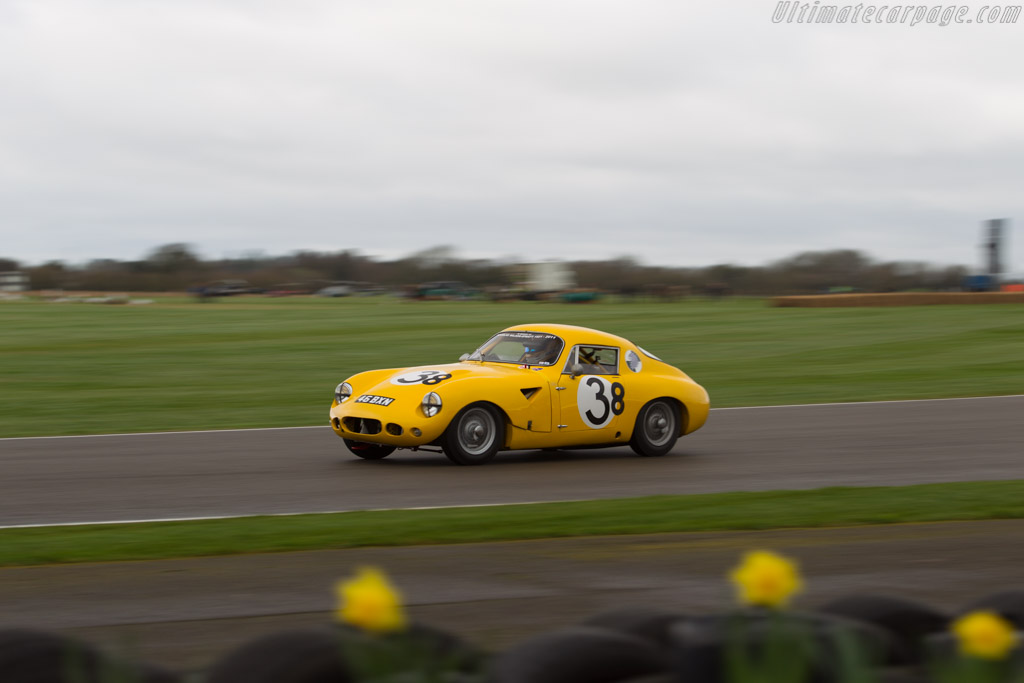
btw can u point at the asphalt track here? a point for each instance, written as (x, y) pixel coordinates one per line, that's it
(227, 473)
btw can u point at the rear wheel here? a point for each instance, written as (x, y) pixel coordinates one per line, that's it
(368, 451)
(657, 428)
(474, 435)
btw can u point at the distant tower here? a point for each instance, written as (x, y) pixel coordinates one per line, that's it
(993, 245)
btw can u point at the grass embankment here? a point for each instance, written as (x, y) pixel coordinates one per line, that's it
(706, 512)
(900, 299)
(174, 364)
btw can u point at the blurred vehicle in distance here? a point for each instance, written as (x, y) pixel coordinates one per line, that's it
(336, 289)
(289, 289)
(442, 290)
(224, 288)
(980, 283)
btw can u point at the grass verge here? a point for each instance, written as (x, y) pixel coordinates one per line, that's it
(844, 506)
(175, 365)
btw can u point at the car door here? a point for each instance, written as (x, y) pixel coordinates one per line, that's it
(591, 403)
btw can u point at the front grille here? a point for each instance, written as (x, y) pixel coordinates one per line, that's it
(362, 425)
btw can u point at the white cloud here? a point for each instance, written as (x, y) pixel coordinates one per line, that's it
(681, 133)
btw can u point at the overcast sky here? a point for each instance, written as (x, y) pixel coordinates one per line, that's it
(679, 133)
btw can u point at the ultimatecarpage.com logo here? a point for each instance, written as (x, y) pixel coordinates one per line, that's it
(790, 12)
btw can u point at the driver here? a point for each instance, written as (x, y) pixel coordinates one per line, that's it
(539, 352)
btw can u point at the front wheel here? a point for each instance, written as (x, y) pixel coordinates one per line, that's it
(368, 451)
(657, 428)
(474, 435)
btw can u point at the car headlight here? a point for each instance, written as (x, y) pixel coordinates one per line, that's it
(431, 404)
(342, 392)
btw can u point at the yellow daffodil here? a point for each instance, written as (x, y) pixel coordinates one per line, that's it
(370, 602)
(765, 579)
(985, 635)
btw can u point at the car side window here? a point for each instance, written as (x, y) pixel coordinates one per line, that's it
(593, 360)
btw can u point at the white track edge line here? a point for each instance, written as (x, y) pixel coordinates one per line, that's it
(868, 403)
(172, 432)
(209, 518)
(271, 429)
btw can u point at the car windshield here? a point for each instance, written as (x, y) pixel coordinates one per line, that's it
(522, 347)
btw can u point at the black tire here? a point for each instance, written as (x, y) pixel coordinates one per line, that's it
(580, 654)
(475, 435)
(296, 656)
(28, 656)
(368, 451)
(656, 429)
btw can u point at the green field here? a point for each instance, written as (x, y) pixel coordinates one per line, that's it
(705, 512)
(173, 365)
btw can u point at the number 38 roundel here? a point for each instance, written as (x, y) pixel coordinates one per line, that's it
(427, 377)
(599, 400)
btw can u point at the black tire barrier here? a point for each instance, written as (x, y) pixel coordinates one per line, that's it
(902, 675)
(441, 647)
(28, 656)
(299, 656)
(326, 656)
(701, 646)
(889, 639)
(657, 678)
(580, 654)
(907, 622)
(649, 623)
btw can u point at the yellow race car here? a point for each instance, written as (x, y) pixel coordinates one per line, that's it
(529, 386)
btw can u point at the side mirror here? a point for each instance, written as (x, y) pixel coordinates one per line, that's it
(463, 357)
(576, 370)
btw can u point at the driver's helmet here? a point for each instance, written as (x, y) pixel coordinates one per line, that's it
(539, 351)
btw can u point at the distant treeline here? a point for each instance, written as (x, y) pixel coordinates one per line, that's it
(176, 267)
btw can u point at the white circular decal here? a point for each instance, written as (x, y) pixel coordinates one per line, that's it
(427, 377)
(599, 400)
(633, 361)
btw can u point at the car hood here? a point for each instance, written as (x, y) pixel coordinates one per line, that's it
(417, 381)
